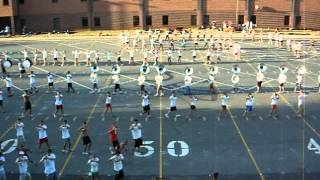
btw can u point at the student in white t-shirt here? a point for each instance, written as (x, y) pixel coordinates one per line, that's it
(23, 165)
(42, 135)
(301, 104)
(193, 108)
(76, 55)
(108, 104)
(224, 105)
(187, 83)
(48, 161)
(19, 125)
(145, 105)
(69, 82)
(275, 100)
(259, 78)
(44, 56)
(88, 58)
(1, 101)
(249, 105)
(141, 80)
(118, 165)
(58, 104)
(9, 84)
(56, 56)
(136, 132)
(32, 82)
(65, 132)
(50, 82)
(2, 170)
(116, 81)
(94, 167)
(159, 83)
(173, 106)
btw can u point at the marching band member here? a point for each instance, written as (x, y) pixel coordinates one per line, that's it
(25, 54)
(141, 80)
(298, 48)
(119, 57)
(35, 56)
(55, 56)
(193, 108)
(159, 82)
(76, 55)
(88, 58)
(131, 53)
(236, 51)
(21, 68)
(301, 104)
(44, 56)
(63, 57)
(96, 57)
(173, 106)
(299, 86)
(249, 105)
(224, 105)
(179, 55)
(235, 80)
(260, 78)
(169, 54)
(32, 82)
(145, 105)
(50, 82)
(275, 99)
(69, 82)
(1, 101)
(289, 44)
(194, 55)
(282, 79)
(187, 84)
(9, 84)
(270, 38)
(208, 53)
(109, 57)
(94, 80)
(145, 57)
(58, 104)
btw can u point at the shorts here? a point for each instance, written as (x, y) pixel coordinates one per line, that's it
(281, 84)
(137, 142)
(224, 107)
(259, 83)
(1, 102)
(146, 108)
(273, 106)
(88, 59)
(192, 107)
(59, 107)
(249, 108)
(22, 71)
(86, 140)
(208, 58)
(108, 106)
(211, 86)
(94, 174)
(117, 86)
(173, 108)
(43, 140)
(142, 87)
(194, 57)
(69, 85)
(50, 84)
(56, 59)
(27, 106)
(115, 143)
(8, 88)
(67, 139)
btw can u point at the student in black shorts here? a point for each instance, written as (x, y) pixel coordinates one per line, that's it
(85, 138)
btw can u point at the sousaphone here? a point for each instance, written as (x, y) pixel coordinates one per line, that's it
(262, 67)
(161, 69)
(188, 71)
(236, 69)
(116, 69)
(144, 69)
(283, 69)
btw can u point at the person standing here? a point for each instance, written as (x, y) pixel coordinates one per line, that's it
(42, 134)
(48, 161)
(27, 103)
(193, 108)
(44, 56)
(94, 167)
(159, 82)
(108, 105)
(55, 56)
(32, 81)
(21, 68)
(23, 166)
(85, 138)
(224, 105)
(58, 104)
(3, 175)
(260, 78)
(173, 106)
(65, 130)
(117, 159)
(136, 132)
(249, 105)
(9, 84)
(145, 105)
(275, 99)
(141, 80)
(113, 135)
(187, 84)
(19, 125)
(69, 82)
(301, 104)
(50, 82)
(94, 81)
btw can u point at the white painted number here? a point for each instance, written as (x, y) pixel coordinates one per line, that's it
(175, 148)
(13, 142)
(146, 145)
(314, 146)
(184, 148)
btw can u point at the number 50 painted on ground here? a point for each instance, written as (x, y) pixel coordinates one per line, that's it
(170, 148)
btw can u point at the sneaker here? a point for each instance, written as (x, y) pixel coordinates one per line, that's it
(166, 115)
(156, 94)
(85, 153)
(54, 115)
(161, 94)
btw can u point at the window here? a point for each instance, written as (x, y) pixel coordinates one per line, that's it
(165, 20)
(54, 1)
(205, 20)
(253, 18)
(298, 21)
(5, 2)
(149, 20)
(56, 24)
(193, 20)
(240, 19)
(286, 20)
(21, 1)
(135, 20)
(84, 22)
(97, 21)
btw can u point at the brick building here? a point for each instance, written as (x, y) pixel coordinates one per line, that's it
(59, 15)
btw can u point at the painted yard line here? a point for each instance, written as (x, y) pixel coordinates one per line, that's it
(20, 89)
(78, 139)
(47, 83)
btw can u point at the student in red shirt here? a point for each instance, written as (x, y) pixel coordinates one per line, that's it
(113, 134)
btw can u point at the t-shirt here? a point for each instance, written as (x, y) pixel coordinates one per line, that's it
(44, 54)
(94, 164)
(211, 78)
(173, 101)
(145, 100)
(69, 78)
(22, 164)
(113, 135)
(8, 82)
(193, 101)
(65, 131)
(208, 53)
(1, 97)
(187, 80)
(282, 78)
(136, 131)
(50, 78)
(58, 100)
(108, 99)
(117, 162)
(224, 100)
(49, 164)
(42, 132)
(141, 80)
(3, 160)
(158, 79)
(115, 79)
(32, 78)
(88, 55)
(275, 100)
(301, 99)
(260, 77)
(249, 101)
(19, 128)
(55, 54)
